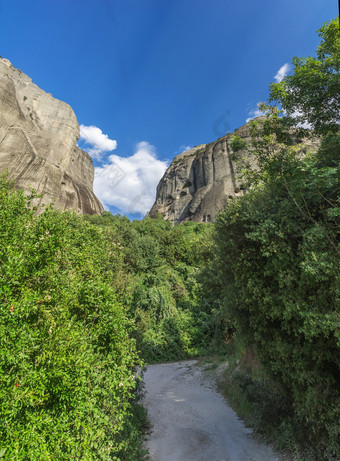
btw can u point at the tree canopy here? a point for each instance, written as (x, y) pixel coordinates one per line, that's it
(311, 95)
(278, 246)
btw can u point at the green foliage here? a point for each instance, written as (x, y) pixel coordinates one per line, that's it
(312, 94)
(278, 259)
(237, 143)
(66, 364)
(162, 292)
(74, 290)
(286, 276)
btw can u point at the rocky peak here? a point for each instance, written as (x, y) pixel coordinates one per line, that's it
(38, 144)
(200, 182)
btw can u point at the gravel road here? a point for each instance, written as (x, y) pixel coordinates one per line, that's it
(191, 420)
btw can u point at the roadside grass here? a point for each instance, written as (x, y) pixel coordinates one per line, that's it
(261, 403)
(136, 430)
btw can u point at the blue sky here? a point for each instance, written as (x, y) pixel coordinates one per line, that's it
(155, 76)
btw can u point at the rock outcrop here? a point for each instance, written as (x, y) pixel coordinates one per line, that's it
(38, 144)
(199, 182)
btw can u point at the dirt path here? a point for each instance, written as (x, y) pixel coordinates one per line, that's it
(192, 422)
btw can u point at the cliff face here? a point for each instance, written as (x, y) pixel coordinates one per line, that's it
(199, 182)
(38, 136)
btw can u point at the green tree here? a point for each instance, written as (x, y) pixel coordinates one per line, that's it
(312, 94)
(278, 248)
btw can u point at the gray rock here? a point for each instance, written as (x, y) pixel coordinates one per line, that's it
(38, 144)
(200, 182)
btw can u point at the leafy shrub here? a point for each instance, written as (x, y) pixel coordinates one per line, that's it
(278, 249)
(237, 143)
(162, 292)
(66, 364)
(279, 252)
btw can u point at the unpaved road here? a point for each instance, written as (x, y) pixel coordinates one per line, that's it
(191, 420)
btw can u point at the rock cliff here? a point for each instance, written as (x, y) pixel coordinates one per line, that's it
(38, 144)
(199, 182)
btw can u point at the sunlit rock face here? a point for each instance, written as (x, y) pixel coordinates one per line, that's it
(200, 182)
(38, 144)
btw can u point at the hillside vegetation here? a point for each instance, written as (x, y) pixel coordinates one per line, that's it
(278, 253)
(67, 359)
(86, 300)
(82, 299)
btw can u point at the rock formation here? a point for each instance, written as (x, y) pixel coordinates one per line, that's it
(200, 181)
(38, 144)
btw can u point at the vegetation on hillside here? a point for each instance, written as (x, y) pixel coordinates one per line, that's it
(160, 283)
(82, 300)
(278, 250)
(67, 360)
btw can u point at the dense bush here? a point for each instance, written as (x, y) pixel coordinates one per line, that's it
(286, 276)
(162, 291)
(66, 363)
(77, 293)
(278, 255)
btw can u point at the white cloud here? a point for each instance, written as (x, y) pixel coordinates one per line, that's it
(182, 148)
(97, 140)
(282, 72)
(280, 75)
(298, 114)
(129, 183)
(254, 113)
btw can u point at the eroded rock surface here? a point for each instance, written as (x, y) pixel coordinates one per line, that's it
(38, 144)
(200, 182)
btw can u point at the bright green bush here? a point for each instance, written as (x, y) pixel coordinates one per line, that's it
(66, 363)
(278, 250)
(162, 291)
(237, 143)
